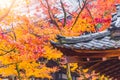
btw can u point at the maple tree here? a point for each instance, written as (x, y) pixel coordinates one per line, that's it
(26, 41)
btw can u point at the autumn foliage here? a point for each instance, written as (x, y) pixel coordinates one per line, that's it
(26, 41)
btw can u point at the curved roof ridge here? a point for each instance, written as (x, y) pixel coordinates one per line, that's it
(83, 38)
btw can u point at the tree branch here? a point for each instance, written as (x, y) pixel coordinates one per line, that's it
(51, 16)
(85, 2)
(7, 11)
(65, 15)
(6, 52)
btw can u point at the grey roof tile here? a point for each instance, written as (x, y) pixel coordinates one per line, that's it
(77, 46)
(117, 24)
(114, 18)
(113, 14)
(67, 46)
(87, 46)
(113, 23)
(97, 44)
(118, 8)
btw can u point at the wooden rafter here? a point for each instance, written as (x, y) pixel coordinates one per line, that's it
(112, 66)
(113, 70)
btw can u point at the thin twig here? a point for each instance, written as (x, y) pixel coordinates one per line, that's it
(90, 14)
(79, 4)
(37, 35)
(6, 52)
(64, 12)
(79, 13)
(51, 16)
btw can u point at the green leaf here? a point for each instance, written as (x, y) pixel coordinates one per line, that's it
(99, 25)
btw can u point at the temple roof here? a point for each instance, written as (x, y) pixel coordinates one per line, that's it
(98, 51)
(88, 42)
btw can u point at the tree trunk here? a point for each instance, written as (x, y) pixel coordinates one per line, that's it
(68, 72)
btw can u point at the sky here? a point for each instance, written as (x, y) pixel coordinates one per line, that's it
(20, 8)
(72, 3)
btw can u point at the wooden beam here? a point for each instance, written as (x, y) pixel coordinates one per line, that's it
(97, 51)
(77, 59)
(91, 54)
(96, 55)
(74, 59)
